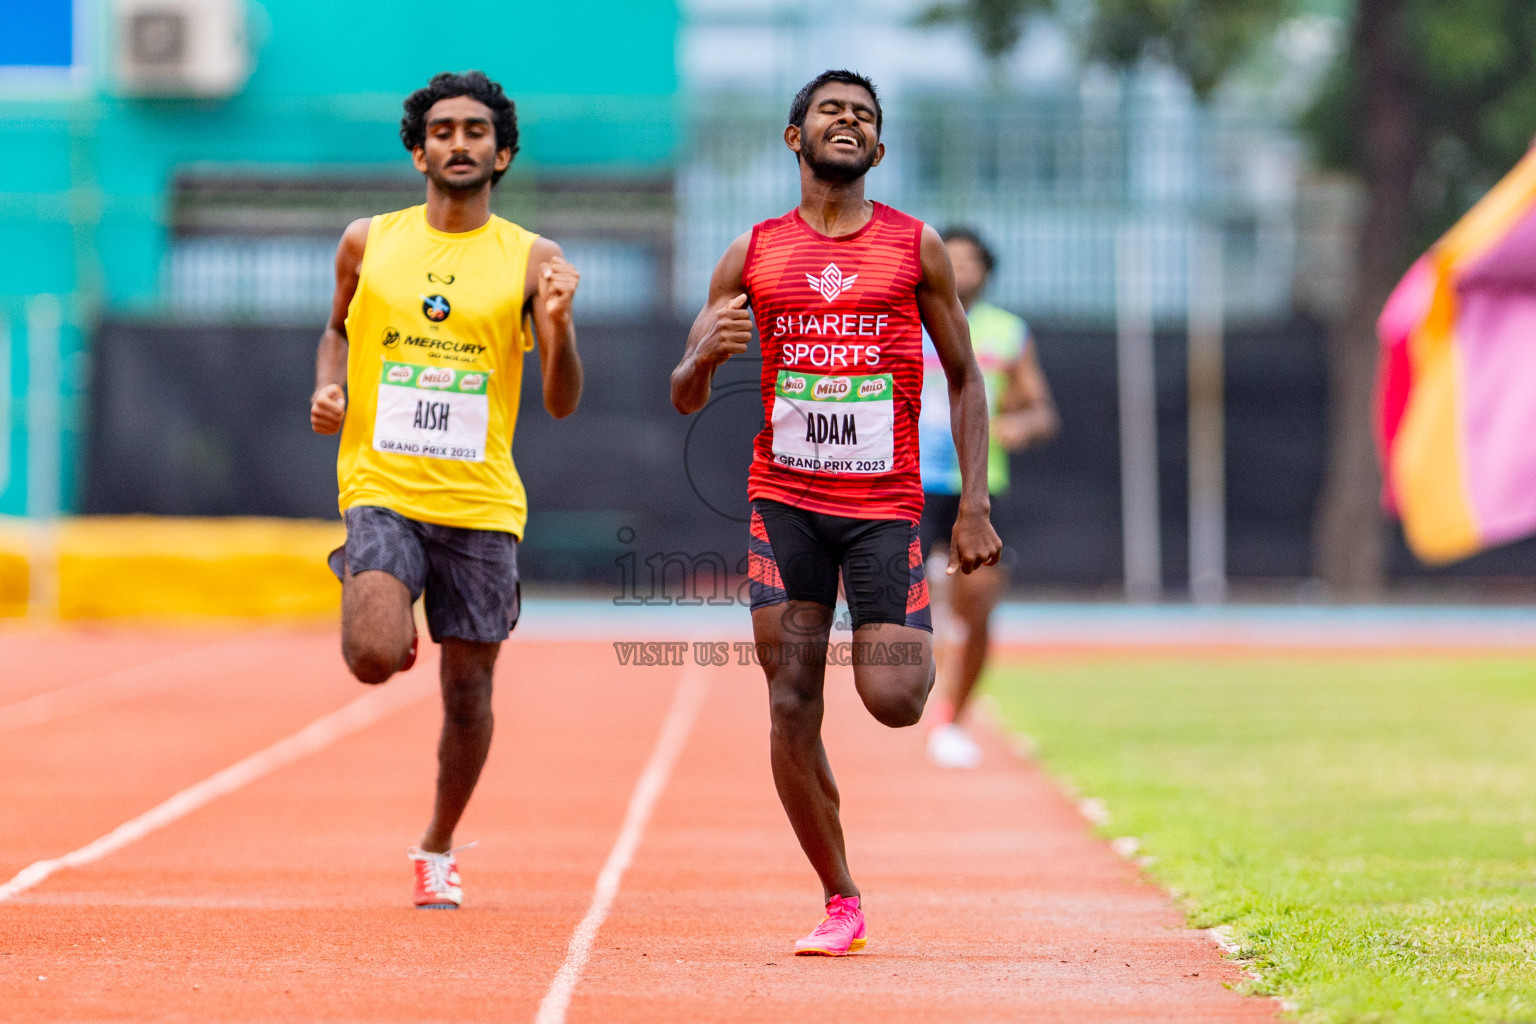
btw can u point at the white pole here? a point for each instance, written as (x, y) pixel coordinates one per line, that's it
(45, 321)
(1141, 527)
(7, 426)
(1207, 437)
(44, 325)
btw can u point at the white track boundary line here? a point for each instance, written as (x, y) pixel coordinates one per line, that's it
(317, 735)
(119, 684)
(675, 729)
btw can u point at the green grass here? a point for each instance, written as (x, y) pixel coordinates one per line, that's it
(1366, 826)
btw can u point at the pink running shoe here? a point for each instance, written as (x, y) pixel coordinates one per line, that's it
(841, 932)
(437, 880)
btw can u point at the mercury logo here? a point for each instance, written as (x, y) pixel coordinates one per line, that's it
(471, 381)
(398, 374)
(873, 386)
(435, 377)
(794, 385)
(832, 387)
(831, 283)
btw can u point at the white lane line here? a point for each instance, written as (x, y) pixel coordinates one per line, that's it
(121, 684)
(686, 702)
(315, 736)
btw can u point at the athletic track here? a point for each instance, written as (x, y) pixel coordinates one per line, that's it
(633, 866)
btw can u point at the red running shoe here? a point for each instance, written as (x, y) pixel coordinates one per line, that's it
(437, 880)
(410, 655)
(841, 932)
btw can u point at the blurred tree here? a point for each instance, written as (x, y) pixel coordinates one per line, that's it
(1204, 39)
(1428, 103)
(995, 25)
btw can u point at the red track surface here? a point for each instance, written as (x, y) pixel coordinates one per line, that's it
(286, 900)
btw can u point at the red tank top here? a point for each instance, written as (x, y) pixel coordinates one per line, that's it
(842, 365)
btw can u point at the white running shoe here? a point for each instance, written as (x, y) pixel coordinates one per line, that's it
(950, 746)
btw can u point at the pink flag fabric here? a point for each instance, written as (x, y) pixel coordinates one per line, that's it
(1456, 396)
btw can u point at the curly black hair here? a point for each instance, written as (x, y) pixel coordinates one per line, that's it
(965, 234)
(475, 85)
(801, 105)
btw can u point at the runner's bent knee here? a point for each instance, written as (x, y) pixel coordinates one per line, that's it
(371, 658)
(897, 700)
(893, 672)
(376, 625)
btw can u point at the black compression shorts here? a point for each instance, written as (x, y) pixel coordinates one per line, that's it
(795, 555)
(939, 514)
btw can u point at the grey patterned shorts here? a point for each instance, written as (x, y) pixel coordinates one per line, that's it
(469, 576)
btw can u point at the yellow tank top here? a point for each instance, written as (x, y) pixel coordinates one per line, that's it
(434, 372)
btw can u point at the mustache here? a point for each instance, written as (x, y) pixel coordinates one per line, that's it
(461, 161)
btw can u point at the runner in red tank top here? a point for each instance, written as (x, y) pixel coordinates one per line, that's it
(842, 346)
(842, 289)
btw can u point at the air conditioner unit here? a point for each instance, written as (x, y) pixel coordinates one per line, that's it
(186, 48)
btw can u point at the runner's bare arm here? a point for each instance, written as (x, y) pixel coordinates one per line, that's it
(1028, 413)
(328, 404)
(722, 329)
(973, 542)
(551, 290)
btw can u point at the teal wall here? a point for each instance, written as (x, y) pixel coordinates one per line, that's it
(84, 194)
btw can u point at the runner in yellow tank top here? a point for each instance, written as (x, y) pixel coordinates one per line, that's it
(434, 371)
(420, 368)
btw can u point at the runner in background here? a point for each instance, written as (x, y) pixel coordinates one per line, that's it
(1022, 414)
(420, 369)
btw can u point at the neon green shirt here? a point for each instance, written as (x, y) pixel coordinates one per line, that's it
(999, 339)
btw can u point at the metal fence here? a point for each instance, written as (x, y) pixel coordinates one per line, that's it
(1051, 181)
(289, 280)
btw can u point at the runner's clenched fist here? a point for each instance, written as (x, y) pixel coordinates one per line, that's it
(729, 333)
(557, 288)
(327, 409)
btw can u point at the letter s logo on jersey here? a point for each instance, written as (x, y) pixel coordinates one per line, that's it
(435, 377)
(873, 386)
(831, 283)
(832, 387)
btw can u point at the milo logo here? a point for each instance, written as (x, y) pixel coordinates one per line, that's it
(398, 374)
(435, 377)
(832, 387)
(793, 385)
(471, 382)
(873, 386)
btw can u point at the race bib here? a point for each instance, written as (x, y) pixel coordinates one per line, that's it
(432, 412)
(843, 425)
